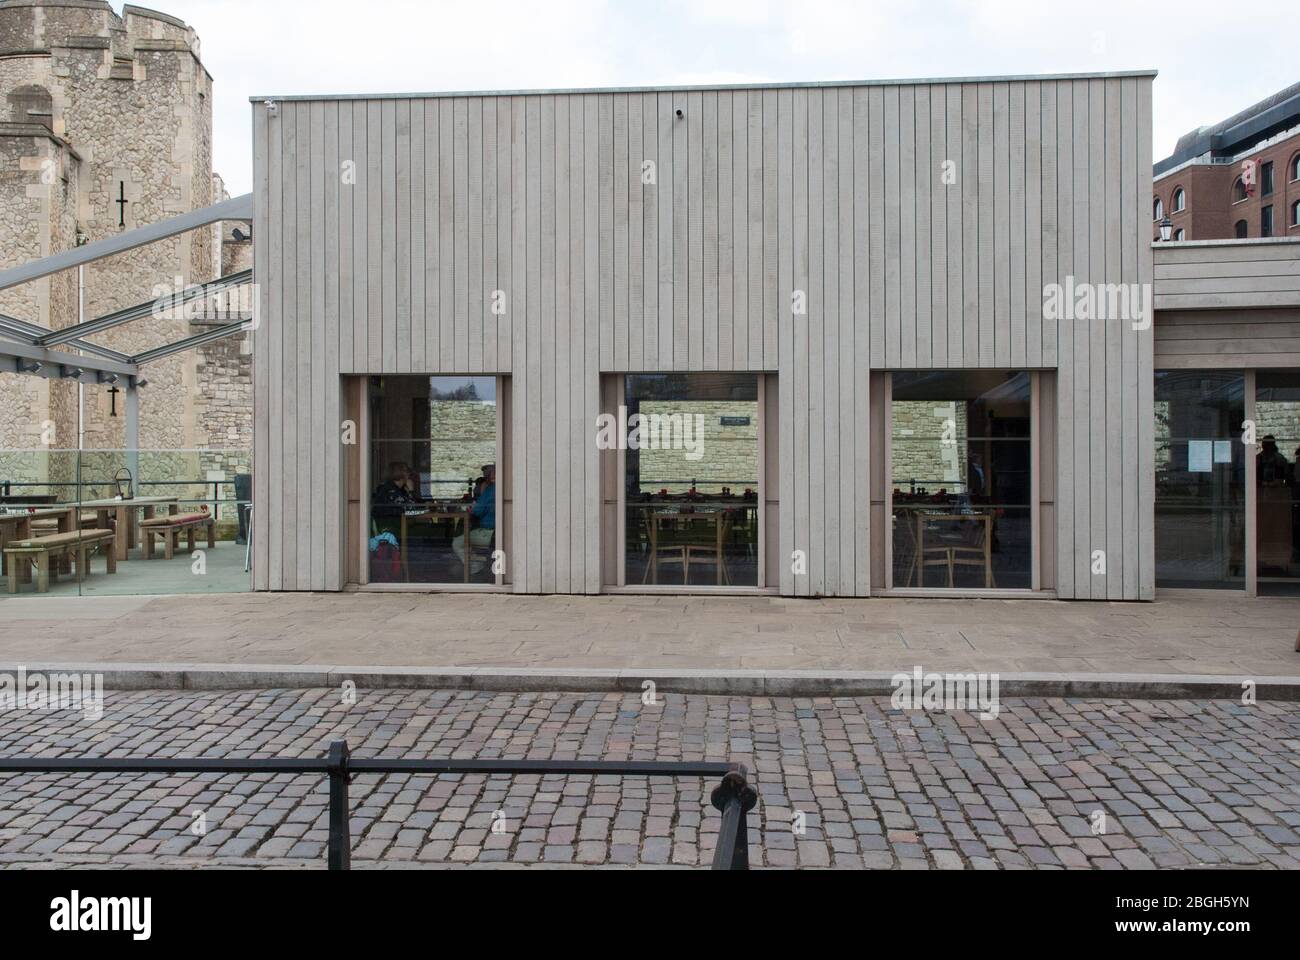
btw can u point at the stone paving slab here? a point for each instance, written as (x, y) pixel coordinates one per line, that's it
(1183, 635)
(843, 782)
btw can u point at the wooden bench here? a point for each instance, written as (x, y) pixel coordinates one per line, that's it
(169, 528)
(76, 544)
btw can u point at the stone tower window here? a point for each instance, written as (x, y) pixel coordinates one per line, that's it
(31, 104)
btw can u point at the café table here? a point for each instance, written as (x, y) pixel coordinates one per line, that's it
(435, 512)
(127, 517)
(16, 527)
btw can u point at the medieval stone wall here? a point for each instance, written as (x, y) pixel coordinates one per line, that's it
(919, 455)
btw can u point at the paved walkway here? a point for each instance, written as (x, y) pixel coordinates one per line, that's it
(1193, 636)
(844, 782)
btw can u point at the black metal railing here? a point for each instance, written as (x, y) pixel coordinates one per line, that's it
(733, 796)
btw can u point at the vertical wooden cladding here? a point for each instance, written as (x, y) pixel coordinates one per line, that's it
(558, 237)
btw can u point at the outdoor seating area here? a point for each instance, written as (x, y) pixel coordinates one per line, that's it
(125, 545)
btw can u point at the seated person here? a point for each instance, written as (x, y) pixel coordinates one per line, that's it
(483, 520)
(395, 493)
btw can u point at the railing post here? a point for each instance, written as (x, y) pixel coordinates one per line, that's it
(340, 840)
(734, 797)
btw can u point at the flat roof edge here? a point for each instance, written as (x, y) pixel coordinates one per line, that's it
(795, 85)
(1226, 242)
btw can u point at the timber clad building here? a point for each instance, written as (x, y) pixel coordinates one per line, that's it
(811, 316)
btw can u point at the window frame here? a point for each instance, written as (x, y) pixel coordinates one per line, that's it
(1034, 440)
(1178, 201)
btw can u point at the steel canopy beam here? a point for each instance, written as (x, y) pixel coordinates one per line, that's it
(53, 360)
(189, 343)
(239, 208)
(25, 332)
(141, 310)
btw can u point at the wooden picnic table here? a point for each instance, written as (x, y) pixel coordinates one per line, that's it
(18, 526)
(128, 517)
(435, 512)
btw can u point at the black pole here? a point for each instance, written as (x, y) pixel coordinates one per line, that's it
(735, 798)
(340, 841)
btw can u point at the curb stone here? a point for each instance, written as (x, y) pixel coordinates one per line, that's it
(751, 683)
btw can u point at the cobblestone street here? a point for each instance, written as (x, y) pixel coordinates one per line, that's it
(842, 782)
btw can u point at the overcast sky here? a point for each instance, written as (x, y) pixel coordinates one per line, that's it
(1214, 58)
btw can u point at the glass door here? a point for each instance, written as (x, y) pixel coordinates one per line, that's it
(1277, 487)
(1200, 479)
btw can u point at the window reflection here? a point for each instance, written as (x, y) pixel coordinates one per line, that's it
(691, 481)
(433, 497)
(962, 469)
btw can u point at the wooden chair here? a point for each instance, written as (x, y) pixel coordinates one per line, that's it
(473, 551)
(715, 553)
(674, 552)
(950, 544)
(905, 548)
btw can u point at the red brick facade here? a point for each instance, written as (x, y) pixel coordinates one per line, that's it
(1211, 209)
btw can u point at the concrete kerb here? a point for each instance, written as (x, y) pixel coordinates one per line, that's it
(747, 683)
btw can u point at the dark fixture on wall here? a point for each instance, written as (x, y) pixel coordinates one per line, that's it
(680, 113)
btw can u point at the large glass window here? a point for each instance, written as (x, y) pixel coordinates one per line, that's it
(962, 474)
(691, 484)
(1277, 428)
(433, 479)
(1200, 479)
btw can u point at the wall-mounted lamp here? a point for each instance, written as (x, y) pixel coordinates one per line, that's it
(71, 373)
(29, 366)
(680, 113)
(105, 377)
(272, 108)
(141, 382)
(240, 235)
(1166, 229)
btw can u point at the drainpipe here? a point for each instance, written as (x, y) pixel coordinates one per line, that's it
(81, 387)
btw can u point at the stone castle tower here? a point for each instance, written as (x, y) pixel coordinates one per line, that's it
(106, 125)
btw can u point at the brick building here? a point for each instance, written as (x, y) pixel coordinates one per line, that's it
(1237, 179)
